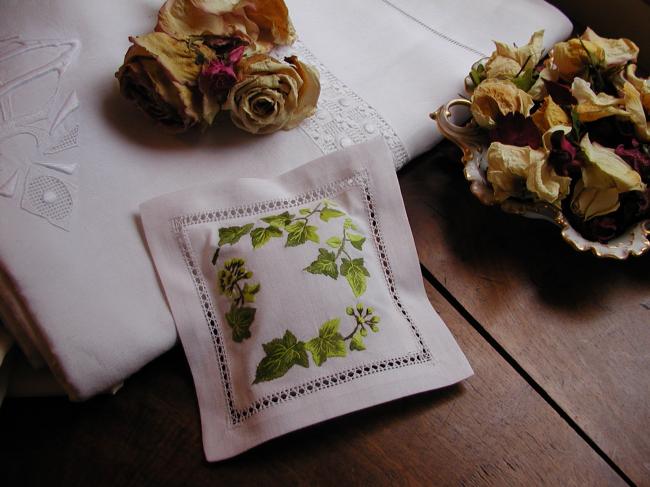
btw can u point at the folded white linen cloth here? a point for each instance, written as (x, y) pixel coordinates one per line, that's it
(78, 287)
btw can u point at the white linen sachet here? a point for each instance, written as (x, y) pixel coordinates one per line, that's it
(298, 298)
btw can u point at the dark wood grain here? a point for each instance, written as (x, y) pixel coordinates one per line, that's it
(578, 325)
(491, 430)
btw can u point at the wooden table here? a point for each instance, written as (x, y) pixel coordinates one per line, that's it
(559, 342)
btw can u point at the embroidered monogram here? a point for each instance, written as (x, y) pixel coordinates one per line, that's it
(28, 65)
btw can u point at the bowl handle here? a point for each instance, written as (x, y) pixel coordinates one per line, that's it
(468, 137)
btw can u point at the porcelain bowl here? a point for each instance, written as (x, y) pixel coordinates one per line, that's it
(474, 144)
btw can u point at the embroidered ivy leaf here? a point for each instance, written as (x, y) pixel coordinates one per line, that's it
(279, 221)
(327, 214)
(281, 354)
(325, 264)
(231, 235)
(334, 242)
(305, 211)
(347, 223)
(240, 320)
(356, 240)
(328, 203)
(249, 292)
(357, 342)
(355, 273)
(261, 236)
(328, 343)
(299, 232)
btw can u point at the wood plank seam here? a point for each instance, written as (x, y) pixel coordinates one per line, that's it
(438, 286)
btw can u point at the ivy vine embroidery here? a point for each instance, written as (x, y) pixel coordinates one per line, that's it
(299, 229)
(283, 353)
(330, 263)
(230, 278)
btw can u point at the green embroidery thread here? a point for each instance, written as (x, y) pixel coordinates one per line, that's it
(229, 280)
(283, 353)
(353, 269)
(331, 263)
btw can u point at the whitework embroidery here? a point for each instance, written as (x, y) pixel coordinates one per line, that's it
(342, 117)
(33, 105)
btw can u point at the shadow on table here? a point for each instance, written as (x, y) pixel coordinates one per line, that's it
(150, 434)
(339, 432)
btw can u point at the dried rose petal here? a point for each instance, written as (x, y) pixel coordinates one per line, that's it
(219, 75)
(635, 157)
(603, 228)
(610, 132)
(560, 93)
(515, 129)
(562, 156)
(635, 205)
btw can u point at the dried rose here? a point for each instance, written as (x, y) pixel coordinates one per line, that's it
(616, 52)
(515, 129)
(494, 97)
(508, 61)
(562, 154)
(510, 166)
(634, 108)
(574, 58)
(263, 23)
(550, 114)
(642, 85)
(215, 81)
(633, 206)
(159, 74)
(601, 228)
(592, 106)
(604, 176)
(272, 95)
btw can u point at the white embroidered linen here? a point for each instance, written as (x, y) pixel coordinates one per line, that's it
(298, 298)
(79, 290)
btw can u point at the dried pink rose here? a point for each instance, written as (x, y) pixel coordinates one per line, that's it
(218, 76)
